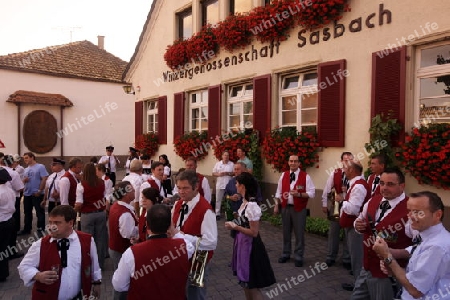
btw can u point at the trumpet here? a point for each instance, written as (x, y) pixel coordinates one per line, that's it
(197, 272)
(333, 205)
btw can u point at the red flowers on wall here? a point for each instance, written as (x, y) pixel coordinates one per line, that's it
(192, 143)
(147, 143)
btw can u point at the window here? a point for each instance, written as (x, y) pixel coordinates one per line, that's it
(240, 106)
(198, 110)
(210, 12)
(240, 6)
(433, 83)
(151, 107)
(298, 101)
(185, 24)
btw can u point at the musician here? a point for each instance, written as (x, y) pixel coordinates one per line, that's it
(355, 198)
(140, 277)
(68, 183)
(111, 162)
(387, 215)
(195, 218)
(155, 181)
(339, 182)
(52, 184)
(204, 189)
(377, 165)
(136, 180)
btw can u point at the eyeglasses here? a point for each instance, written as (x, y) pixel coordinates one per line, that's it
(389, 184)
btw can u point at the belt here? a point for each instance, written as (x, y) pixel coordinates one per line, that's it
(95, 211)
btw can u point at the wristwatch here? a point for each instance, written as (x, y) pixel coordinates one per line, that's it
(388, 260)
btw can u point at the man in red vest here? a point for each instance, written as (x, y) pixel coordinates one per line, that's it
(68, 182)
(377, 165)
(385, 215)
(155, 181)
(63, 264)
(194, 216)
(145, 267)
(203, 185)
(356, 196)
(340, 183)
(294, 189)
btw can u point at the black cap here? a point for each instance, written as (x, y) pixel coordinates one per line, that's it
(109, 148)
(133, 149)
(4, 175)
(58, 161)
(8, 160)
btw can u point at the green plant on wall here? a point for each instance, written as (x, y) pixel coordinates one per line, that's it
(382, 131)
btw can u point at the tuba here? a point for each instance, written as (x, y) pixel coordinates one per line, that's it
(198, 265)
(333, 205)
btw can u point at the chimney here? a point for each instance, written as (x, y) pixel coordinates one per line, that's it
(101, 42)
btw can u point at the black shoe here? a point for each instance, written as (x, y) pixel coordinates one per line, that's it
(283, 259)
(330, 262)
(348, 286)
(17, 255)
(23, 232)
(299, 263)
(347, 266)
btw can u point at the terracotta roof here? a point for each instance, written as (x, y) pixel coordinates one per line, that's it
(39, 98)
(141, 38)
(75, 60)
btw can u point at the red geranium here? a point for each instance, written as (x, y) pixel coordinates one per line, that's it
(233, 32)
(192, 143)
(147, 143)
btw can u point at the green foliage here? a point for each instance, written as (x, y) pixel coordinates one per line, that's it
(254, 154)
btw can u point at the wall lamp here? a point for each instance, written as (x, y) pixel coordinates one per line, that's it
(128, 89)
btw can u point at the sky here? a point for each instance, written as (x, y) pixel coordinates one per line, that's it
(35, 24)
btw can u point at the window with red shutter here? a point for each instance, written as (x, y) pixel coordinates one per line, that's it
(240, 106)
(214, 111)
(262, 93)
(162, 120)
(388, 85)
(138, 118)
(178, 115)
(331, 114)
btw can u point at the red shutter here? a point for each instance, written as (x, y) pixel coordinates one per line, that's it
(214, 111)
(389, 85)
(162, 120)
(178, 115)
(138, 118)
(331, 114)
(262, 94)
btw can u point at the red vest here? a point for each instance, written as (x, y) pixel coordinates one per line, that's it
(346, 220)
(142, 223)
(73, 188)
(49, 256)
(370, 182)
(337, 181)
(93, 197)
(392, 225)
(154, 185)
(192, 225)
(299, 203)
(116, 241)
(200, 188)
(161, 269)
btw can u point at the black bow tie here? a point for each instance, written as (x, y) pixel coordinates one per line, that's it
(384, 206)
(377, 180)
(63, 246)
(184, 210)
(291, 177)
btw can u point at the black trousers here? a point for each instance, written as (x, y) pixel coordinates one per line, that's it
(112, 176)
(6, 228)
(28, 203)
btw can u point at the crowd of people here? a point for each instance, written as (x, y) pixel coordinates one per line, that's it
(155, 231)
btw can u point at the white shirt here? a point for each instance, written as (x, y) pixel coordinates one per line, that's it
(125, 270)
(108, 187)
(205, 186)
(327, 189)
(219, 167)
(7, 202)
(113, 161)
(355, 201)
(127, 165)
(208, 228)
(70, 276)
(166, 171)
(21, 170)
(310, 188)
(127, 227)
(57, 177)
(64, 187)
(136, 181)
(16, 183)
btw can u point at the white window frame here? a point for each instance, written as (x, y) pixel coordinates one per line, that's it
(437, 116)
(151, 111)
(242, 97)
(202, 95)
(299, 93)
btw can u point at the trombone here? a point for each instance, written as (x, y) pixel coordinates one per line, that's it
(199, 259)
(333, 205)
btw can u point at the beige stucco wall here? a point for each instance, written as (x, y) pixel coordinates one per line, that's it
(113, 125)
(356, 48)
